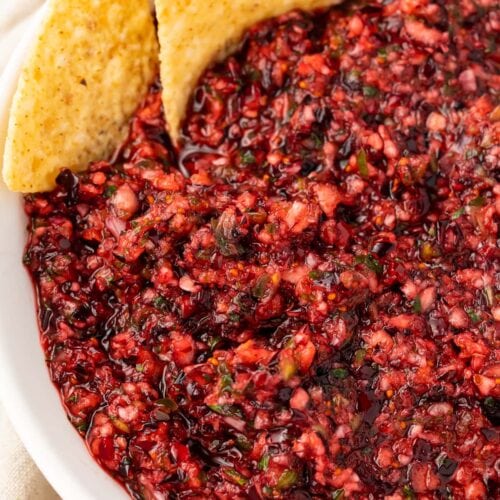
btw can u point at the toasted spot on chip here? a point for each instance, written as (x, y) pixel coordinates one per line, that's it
(194, 33)
(90, 65)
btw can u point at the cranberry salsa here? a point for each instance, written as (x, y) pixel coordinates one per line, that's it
(314, 312)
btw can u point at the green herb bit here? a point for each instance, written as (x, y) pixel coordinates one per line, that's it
(457, 213)
(370, 262)
(82, 427)
(260, 287)
(212, 342)
(247, 157)
(159, 302)
(318, 141)
(471, 153)
(408, 493)
(226, 383)
(339, 373)
(263, 462)
(167, 403)
(72, 399)
(287, 479)
(479, 201)
(110, 191)
(243, 443)
(362, 165)
(417, 305)
(369, 91)
(359, 356)
(226, 234)
(226, 410)
(234, 317)
(474, 317)
(338, 494)
(315, 274)
(236, 477)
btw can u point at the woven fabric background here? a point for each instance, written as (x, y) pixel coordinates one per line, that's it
(20, 479)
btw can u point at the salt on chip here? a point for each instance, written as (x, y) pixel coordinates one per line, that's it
(194, 33)
(90, 65)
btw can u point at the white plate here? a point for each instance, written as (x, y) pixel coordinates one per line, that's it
(31, 401)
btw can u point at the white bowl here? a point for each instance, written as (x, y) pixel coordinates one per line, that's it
(31, 401)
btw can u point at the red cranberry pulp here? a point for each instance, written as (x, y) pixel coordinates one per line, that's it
(313, 313)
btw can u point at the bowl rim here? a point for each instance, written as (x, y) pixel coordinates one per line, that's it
(32, 404)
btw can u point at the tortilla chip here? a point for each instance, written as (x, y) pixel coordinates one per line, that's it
(90, 65)
(194, 33)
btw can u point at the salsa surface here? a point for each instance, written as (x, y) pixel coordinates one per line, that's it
(313, 314)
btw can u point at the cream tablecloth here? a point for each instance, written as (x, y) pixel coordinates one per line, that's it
(20, 479)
